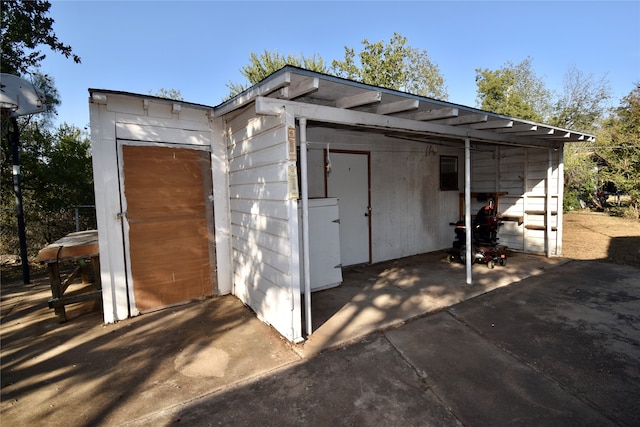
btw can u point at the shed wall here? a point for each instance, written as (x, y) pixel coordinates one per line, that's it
(264, 220)
(118, 118)
(410, 214)
(522, 174)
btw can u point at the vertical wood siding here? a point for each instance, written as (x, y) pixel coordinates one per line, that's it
(410, 215)
(261, 220)
(522, 174)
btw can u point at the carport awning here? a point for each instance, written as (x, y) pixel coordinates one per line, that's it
(333, 101)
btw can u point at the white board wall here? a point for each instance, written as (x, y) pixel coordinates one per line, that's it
(264, 220)
(135, 119)
(410, 215)
(522, 174)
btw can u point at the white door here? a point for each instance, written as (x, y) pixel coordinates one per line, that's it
(348, 180)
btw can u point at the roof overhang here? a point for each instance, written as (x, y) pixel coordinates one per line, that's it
(332, 101)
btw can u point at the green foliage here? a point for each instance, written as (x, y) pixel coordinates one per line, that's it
(25, 25)
(168, 94)
(394, 65)
(580, 175)
(583, 102)
(262, 66)
(56, 175)
(619, 146)
(514, 90)
(571, 201)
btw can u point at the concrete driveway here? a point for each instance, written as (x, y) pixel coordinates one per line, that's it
(558, 347)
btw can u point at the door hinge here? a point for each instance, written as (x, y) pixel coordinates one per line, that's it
(337, 221)
(121, 215)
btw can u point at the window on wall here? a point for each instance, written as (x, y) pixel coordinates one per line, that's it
(448, 173)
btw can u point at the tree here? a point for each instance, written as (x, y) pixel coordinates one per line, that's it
(583, 103)
(580, 175)
(25, 25)
(262, 66)
(168, 94)
(56, 175)
(513, 90)
(619, 145)
(394, 66)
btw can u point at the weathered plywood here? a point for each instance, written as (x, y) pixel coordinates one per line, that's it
(170, 224)
(73, 245)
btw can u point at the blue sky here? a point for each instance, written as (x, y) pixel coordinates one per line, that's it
(198, 47)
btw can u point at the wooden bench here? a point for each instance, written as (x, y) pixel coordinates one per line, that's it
(81, 248)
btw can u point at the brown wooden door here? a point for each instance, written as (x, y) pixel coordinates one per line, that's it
(170, 221)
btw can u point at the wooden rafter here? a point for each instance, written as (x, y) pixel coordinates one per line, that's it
(303, 87)
(519, 128)
(363, 98)
(440, 113)
(465, 120)
(492, 124)
(398, 106)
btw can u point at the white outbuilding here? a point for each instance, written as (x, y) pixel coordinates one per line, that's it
(268, 195)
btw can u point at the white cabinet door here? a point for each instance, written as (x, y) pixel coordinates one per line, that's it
(325, 270)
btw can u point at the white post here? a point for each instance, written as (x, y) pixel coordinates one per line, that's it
(305, 223)
(560, 201)
(467, 208)
(547, 220)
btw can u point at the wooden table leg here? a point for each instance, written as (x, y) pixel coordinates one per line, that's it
(83, 268)
(95, 263)
(56, 289)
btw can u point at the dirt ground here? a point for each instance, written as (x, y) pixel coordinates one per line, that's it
(599, 236)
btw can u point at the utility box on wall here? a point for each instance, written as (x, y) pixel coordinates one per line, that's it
(324, 244)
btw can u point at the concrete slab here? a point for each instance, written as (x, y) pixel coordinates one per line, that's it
(482, 384)
(364, 384)
(559, 346)
(375, 297)
(578, 325)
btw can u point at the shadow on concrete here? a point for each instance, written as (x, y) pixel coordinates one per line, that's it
(550, 350)
(85, 373)
(624, 251)
(383, 295)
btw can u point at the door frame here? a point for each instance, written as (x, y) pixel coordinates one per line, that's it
(327, 152)
(120, 143)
